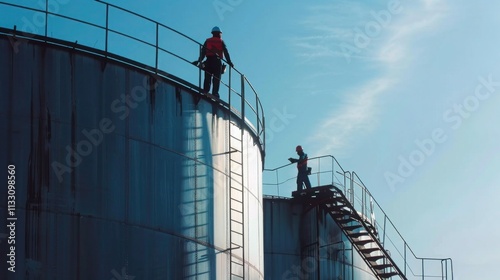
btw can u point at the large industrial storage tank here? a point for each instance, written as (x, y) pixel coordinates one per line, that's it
(123, 171)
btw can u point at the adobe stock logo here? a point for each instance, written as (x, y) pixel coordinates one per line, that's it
(122, 276)
(277, 123)
(454, 116)
(93, 138)
(32, 27)
(363, 37)
(223, 6)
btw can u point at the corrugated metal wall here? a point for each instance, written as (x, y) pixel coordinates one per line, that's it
(307, 245)
(117, 173)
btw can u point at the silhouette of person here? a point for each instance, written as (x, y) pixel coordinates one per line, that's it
(214, 49)
(302, 170)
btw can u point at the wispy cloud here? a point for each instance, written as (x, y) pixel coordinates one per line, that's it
(326, 26)
(398, 47)
(356, 115)
(390, 54)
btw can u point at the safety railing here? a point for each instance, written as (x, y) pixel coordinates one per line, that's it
(326, 170)
(125, 36)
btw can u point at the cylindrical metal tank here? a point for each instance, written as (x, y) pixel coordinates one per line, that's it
(307, 244)
(120, 174)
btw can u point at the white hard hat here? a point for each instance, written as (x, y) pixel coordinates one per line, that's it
(216, 29)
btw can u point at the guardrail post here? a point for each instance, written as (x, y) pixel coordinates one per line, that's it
(242, 98)
(423, 270)
(199, 70)
(106, 30)
(333, 171)
(444, 272)
(257, 110)
(46, 17)
(405, 259)
(352, 190)
(383, 237)
(278, 182)
(156, 47)
(363, 201)
(229, 90)
(319, 171)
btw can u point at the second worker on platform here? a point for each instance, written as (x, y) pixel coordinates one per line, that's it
(303, 171)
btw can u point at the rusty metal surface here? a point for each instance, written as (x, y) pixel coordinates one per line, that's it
(118, 174)
(302, 243)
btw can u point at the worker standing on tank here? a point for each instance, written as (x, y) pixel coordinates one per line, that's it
(303, 171)
(214, 49)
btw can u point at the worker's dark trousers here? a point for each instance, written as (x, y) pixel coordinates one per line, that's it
(302, 178)
(213, 67)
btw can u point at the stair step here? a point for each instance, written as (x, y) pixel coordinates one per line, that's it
(340, 212)
(337, 211)
(369, 250)
(338, 202)
(357, 234)
(345, 221)
(333, 202)
(363, 242)
(375, 258)
(338, 216)
(349, 228)
(337, 207)
(341, 200)
(388, 274)
(382, 266)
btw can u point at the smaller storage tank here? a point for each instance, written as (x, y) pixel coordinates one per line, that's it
(307, 244)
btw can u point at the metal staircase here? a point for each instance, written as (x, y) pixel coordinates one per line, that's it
(344, 196)
(356, 228)
(236, 201)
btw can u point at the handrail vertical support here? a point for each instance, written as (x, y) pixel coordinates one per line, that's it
(319, 172)
(106, 30)
(157, 45)
(199, 69)
(229, 90)
(423, 269)
(383, 237)
(444, 272)
(46, 18)
(257, 110)
(363, 198)
(352, 189)
(345, 183)
(242, 98)
(333, 171)
(405, 261)
(278, 182)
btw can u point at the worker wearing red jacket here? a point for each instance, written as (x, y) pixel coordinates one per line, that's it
(214, 49)
(303, 171)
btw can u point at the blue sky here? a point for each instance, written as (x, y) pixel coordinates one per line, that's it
(375, 84)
